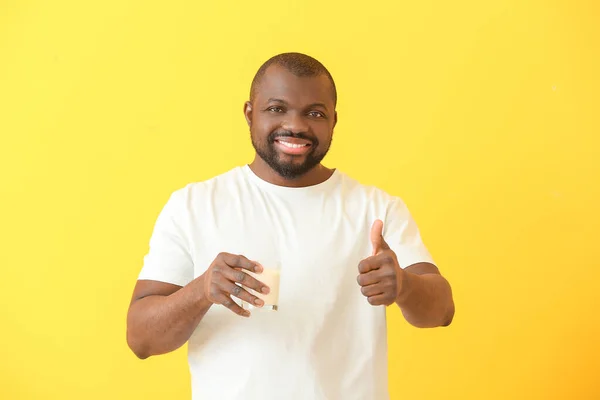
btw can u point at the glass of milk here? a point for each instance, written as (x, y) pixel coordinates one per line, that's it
(270, 277)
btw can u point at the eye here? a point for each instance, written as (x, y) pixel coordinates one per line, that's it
(275, 109)
(316, 114)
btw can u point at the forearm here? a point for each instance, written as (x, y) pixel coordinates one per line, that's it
(426, 300)
(160, 324)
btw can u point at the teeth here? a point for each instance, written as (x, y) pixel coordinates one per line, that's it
(291, 145)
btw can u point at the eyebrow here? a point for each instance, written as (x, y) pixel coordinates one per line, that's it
(274, 100)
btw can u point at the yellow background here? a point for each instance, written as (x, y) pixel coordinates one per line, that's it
(482, 116)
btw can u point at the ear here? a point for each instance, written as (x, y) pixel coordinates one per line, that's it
(248, 112)
(334, 119)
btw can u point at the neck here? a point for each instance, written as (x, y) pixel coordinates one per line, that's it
(318, 174)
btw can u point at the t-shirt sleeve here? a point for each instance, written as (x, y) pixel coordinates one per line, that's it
(401, 233)
(168, 258)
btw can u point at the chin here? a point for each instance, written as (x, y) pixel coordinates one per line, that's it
(291, 171)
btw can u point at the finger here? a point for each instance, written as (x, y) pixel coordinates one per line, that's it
(377, 240)
(379, 300)
(228, 302)
(386, 257)
(239, 261)
(373, 290)
(368, 264)
(239, 276)
(240, 293)
(370, 278)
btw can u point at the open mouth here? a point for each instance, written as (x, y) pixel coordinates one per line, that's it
(293, 146)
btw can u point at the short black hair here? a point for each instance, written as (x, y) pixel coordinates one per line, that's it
(298, 64)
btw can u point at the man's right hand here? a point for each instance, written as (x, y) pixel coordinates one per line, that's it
(220, 282)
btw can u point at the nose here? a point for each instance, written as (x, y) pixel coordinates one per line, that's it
(295, 123)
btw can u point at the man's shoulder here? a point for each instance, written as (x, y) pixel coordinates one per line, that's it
(355, 187)
(233, 175)
(201, 188)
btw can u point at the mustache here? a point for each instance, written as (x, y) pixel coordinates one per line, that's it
(281, 134)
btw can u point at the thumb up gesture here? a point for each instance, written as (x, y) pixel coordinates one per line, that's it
(380, 276)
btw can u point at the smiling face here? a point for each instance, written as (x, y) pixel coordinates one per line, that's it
(291, 121)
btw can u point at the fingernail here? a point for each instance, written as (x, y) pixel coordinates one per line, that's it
(259, 302)
(265, 290)
(258, 268)
(246, 314)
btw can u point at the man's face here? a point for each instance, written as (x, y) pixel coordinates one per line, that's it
(291, 121)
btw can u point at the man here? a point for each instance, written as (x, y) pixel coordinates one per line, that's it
(345, 251)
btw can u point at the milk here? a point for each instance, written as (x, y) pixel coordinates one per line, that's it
(271, 278)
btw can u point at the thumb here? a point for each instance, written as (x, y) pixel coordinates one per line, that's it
(377, 240)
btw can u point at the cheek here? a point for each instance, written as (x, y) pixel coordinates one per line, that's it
(324, 134)
(263, 127)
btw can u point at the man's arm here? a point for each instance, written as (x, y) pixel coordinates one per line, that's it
(421, 292)
(162, 316)
(425, 297)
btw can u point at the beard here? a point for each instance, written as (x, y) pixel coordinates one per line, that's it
(291, 168)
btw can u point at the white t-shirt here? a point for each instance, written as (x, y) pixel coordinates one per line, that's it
(325, 341)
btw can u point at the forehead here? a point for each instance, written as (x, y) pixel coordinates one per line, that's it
(280, 83)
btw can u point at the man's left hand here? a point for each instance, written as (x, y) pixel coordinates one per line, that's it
(380, 275)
